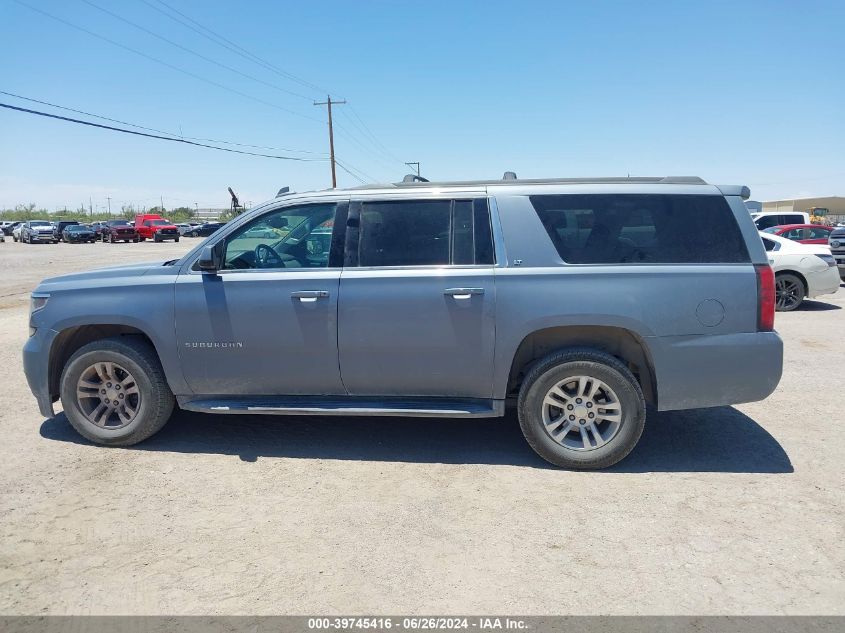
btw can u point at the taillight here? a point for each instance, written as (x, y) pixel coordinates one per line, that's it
(765, 297)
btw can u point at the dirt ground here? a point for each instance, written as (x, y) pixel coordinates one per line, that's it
(735, 510)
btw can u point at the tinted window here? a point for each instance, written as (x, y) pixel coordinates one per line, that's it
(425, 233)
(766, 221)
(793, 234)
(793, 218)
(292, 237)
(818, 233)
(770, 245)
(641, 228)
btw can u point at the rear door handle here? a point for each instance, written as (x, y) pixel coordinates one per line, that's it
(463, 293)
(309, 296)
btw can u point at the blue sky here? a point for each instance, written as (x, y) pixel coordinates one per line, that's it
(736, 92)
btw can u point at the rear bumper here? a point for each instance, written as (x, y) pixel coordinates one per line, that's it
(36, 361)
(823, 282)
(710, 371)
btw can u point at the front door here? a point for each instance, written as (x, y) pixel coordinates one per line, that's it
(417, 299)
(266, 323)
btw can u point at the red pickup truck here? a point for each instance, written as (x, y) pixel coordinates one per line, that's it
(154, 227)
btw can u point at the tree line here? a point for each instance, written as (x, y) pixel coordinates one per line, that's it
(24, 212)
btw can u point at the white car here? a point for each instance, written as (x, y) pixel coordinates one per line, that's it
(16, 232)
(801, 270)
(183, 228)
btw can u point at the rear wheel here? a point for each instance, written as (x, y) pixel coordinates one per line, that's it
(789, 292)
(176, 240)
(114, 391)
(581, 409)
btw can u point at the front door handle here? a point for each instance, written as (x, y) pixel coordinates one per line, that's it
(309, 296)
(463, 293)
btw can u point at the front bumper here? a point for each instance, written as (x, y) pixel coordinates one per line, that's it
(36, 367)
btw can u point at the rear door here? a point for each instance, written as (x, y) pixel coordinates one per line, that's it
(417, 298)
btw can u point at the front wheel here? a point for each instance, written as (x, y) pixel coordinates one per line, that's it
(114, 391)
(176, 240)
(581, 409)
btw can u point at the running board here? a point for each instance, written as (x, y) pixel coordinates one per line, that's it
(420, 407)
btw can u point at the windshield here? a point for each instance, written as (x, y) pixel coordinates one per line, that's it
(39, 223)
(77, 227)
(771, 229)
(118, 222)
(158, 222)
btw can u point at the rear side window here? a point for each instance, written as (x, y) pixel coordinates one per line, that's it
(641, 229)
(425, 233)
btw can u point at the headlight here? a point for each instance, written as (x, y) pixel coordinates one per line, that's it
(37, 301)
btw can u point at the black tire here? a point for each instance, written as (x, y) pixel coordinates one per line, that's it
(140, 359)
(555, 368)
(176, 240)
(156, 239)
(135, 241)
(795, 282)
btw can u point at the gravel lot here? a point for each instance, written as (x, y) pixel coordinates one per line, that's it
(736, 510)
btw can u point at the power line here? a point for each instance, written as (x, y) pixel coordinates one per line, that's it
(373, 136)
(156, 136)
(193, 52)
(215, 37)
(223, 41)
(164, 63)
(152, 129)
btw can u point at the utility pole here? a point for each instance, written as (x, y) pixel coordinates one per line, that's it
(417, 165)
(109, 199)
(328, 102)
(161, 208)
(90, 207)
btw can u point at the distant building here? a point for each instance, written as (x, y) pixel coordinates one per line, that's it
(209, 214)
(754, 206)
(835, 206)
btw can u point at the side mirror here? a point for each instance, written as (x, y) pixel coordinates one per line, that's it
(209, 261)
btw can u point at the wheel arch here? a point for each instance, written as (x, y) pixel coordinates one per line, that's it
(623, 344)
(792, 271)
(72, 338)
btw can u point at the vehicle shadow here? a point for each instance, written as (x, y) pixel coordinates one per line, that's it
(809, 305)
(704, 440)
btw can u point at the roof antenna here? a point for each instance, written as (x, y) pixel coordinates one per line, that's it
(509, 175)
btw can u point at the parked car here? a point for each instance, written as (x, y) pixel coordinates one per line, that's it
(579, 301)
(9, 228)
(204, 230)
(59, 228)
(804, 233)
(837, 249)
(16, 232)
(801, 271)
(38, 231)
(183, 227)
(6, 227)
(265, 232)
(765, 219)
(77, 233)
(156, 228)
(119, 230)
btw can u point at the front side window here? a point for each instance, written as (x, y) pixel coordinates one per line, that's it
(641, 228)
(425, 233)
(292, 237)
(818, 233)
(794, 234)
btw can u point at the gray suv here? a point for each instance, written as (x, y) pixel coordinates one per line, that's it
(577, 301)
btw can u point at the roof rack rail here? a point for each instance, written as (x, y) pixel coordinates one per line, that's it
(283, 191)
(414, 178)
(509, 175)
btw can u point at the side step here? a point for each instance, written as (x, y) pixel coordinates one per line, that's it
(420, 407)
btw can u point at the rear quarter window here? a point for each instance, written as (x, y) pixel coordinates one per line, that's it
(641, 229)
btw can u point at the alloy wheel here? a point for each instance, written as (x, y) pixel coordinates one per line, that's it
(108, 395)
(582, 413)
